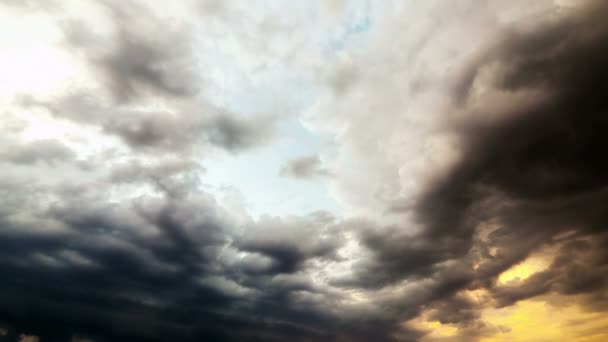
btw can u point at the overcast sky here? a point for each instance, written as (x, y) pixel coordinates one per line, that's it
(329, 170)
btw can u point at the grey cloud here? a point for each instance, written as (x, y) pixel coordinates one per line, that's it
(306, 167)
(165, 168)
(193, 125)
(343, 79)
(148, 59)
(49, 151)
(150, 267)
(144, 130)
(291, 242)
(527, 175)
(141, 58)
(236, 134)
(132, 248)
(146, 257)
(172, 265)
(537, 172)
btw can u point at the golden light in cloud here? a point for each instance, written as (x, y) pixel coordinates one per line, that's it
(541, 319)
(441, 330)
(524, 270)
(534, 320)
(436, 330)
(537, 320)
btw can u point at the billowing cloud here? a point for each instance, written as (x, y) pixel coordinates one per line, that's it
(466, 156)
(129, 60)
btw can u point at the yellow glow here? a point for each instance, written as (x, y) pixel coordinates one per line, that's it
(436, 330)
(536, 321)
(442, 330)
(542, 319)
(528, 321)
(523, 270)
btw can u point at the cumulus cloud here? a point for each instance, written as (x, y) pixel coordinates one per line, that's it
(457, 165)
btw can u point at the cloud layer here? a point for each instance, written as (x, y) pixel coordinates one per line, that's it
(457, 160)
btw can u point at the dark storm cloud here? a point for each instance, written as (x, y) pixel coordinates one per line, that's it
(293, 241)
(454, 310)
(306, 167)
(579, 267)
(172, 265)
(540, 170)
(528, 175)
(151, 268)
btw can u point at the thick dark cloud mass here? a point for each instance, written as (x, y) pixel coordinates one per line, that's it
(531, 176)
(125, 245)
(151, 269)
(540, 169)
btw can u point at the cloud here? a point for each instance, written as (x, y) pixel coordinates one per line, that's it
(187, 126)
(148, 256)
(527, 127)
(306, 167)
(456, 172)
(291, 242)
(528, 174)
(236, 134)
(49, 151)
(131, 61)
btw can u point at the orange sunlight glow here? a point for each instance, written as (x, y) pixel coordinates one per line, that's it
(546, 318)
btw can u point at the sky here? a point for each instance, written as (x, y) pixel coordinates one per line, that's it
(323, 170)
